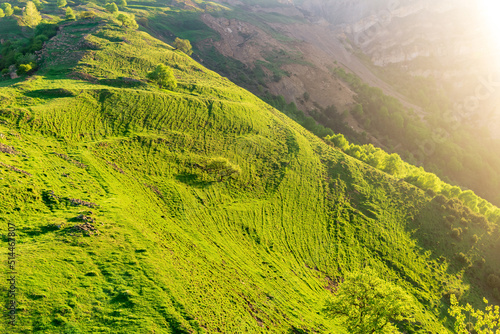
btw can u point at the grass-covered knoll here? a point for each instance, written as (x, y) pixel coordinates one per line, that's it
(91, 142)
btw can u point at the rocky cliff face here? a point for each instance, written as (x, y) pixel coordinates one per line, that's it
(443, 39)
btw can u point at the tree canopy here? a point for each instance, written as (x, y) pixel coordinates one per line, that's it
(221, 168)
(184, 45)
(368, 304)
(164, 76)
(484, 322)
(127, 20)
(31, 16)
(7, 9)
(112, 7)
(70, 15)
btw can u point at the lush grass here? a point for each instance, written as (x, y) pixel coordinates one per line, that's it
(177, 252)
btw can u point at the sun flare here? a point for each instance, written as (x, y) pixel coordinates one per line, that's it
(490, 11)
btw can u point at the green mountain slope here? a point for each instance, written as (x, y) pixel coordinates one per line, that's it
(120, 229)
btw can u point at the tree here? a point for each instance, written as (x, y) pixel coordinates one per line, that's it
(38, 4)
(221, 168)
(127, 21)
(24, 68)
(392, 164)
(7, 9)
(61, 3)
(70, 15)
(87, 14)
(31, 16)
(123, 3)
(368, 304)
(184, 45)
(112, 7)
(338, 141)
(485, 322)
(164, 76)
(2, 14)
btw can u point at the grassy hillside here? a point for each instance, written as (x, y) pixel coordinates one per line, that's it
(120, 229)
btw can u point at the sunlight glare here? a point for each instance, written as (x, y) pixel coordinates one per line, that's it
(490, 10)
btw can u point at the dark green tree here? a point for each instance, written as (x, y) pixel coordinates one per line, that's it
(368, 304)
(164, 76)
(122, 3)
(184, 45)
(61, 3)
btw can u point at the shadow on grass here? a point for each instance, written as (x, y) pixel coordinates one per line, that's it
(33, 232)
(50, 93)
(192, 180)
(123, 82)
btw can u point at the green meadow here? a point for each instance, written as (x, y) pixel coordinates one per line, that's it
(120, 228)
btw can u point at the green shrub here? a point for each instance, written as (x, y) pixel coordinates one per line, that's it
(87, 15)
(184, 45)
(456, 233)
(164, 76)
(220, 168)
(7, 9)
(127, 20)
(111, 7)
(24, 69)
(70, 15)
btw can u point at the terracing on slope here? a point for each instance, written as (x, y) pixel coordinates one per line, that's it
(119, 230)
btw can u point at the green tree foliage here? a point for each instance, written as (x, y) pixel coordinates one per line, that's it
(61, 3)
(184, 45)
(483, 322)
(112, 7)
(368, 304)
(70, 15)
(38, 4)
(164, 76)
(221, 168)
(122, 3)
(393, 164)
(25, 68)
(87, 15)
(2, 14)
(338, 140)
(127, 20)
(7, 9)
(31, 16)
